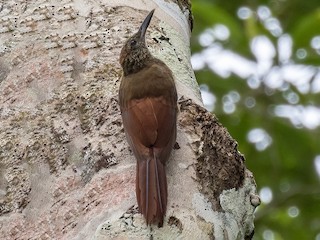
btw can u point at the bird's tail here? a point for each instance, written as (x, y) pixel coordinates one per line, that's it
(151, 190)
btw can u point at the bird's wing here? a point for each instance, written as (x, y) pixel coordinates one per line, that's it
(150, 120)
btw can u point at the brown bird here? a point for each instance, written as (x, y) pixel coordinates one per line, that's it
(148, 103)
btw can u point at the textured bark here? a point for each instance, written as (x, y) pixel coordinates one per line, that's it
(66, 171)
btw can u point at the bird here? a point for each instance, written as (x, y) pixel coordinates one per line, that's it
(148, 105)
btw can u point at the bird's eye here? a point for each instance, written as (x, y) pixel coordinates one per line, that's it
(133, 43)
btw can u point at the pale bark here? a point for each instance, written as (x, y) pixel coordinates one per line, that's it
(66, 171)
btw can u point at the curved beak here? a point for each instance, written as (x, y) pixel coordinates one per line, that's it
(144, 25)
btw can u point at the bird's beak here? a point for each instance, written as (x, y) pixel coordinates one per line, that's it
(144, 25)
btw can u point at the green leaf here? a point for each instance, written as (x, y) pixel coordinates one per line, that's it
(306, 28)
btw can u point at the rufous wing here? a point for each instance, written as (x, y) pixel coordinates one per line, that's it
(150, 126)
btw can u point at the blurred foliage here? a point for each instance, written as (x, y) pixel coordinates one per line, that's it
(287, 165)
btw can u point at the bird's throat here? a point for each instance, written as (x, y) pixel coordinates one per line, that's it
(136, 61)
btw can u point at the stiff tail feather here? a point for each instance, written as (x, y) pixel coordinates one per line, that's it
(151, 190)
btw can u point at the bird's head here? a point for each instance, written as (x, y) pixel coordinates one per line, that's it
(135, 52)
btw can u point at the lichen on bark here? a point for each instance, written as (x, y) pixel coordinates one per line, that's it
(219, 166)
(65, 169)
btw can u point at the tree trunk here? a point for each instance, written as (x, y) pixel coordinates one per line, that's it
(66, 171)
